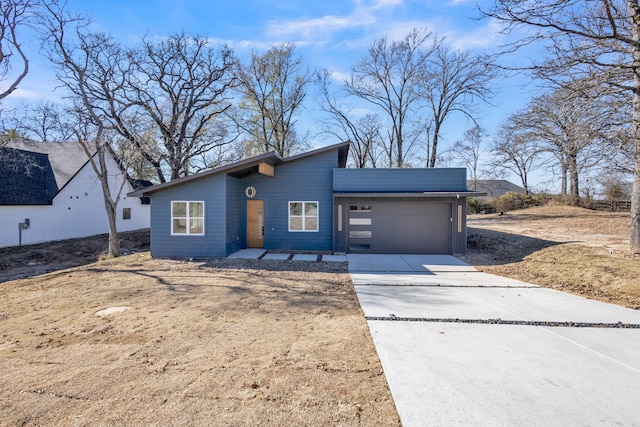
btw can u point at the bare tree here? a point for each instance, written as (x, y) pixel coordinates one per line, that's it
(272, 89)
(515, 150)
(15, 15)
(568, 125)
(79, 58)
(364, 132)
(616, 145)
(42, 121)
(455, 82)
(181, 85)
(599, 37)
(390, 78)
(614, 187)
(469, 150)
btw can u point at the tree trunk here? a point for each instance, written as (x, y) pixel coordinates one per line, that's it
(525, 184)
(573, 178)
(434, 146)
(563, 182)
(634, 13)
(400, 157)
(114, 242)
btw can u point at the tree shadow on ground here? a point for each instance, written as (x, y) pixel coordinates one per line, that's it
(230, 290)
(490, 247)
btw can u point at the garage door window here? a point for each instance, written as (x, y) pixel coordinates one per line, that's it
(360, 208)
(303, 216)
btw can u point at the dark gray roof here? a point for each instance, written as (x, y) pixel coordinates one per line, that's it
(64, 160)
(140, 184)
(26, 178)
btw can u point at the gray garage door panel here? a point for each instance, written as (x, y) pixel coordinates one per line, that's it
(403, 227)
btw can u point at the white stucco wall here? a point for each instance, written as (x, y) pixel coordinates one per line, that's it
(77, 211)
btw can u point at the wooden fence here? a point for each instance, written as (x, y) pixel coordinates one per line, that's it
(608, 205)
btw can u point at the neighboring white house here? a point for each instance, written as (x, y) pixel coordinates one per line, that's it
(49, 191)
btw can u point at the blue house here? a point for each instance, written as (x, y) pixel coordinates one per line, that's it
(309, 202)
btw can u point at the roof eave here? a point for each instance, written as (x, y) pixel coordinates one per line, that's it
(272, 157)
(417, 194)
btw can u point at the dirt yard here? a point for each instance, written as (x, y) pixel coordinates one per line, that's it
(137, 341)
(566, 248)
(31, 260)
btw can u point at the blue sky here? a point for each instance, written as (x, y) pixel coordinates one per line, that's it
(332, 34)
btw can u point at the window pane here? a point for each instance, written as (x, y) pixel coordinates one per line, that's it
(196, 209)
(295, 208)
(311, 224)
(311, 209)
(360, 234)
(295, 223)
(359, 221)
(196, 226)
(179, 209)
(359, 246)
(179, 226)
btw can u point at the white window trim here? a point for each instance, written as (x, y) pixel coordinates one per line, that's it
(303, 216)
(188, 202)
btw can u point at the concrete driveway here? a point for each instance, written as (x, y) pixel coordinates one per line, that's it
(461, 347)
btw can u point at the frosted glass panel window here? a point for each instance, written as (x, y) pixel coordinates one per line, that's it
(359, 221)
(187, 218)
(360, 234)
(303, 216)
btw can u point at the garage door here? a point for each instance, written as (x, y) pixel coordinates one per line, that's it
(399, 227)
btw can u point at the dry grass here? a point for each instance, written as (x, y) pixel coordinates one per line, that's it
(581, 270)
(192, 345)
(565, 248)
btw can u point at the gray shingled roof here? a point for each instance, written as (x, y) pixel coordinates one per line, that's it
(494, 187)
(63, 161)
(26, 178)
(66, 158)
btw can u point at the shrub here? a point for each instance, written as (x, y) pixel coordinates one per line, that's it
(476, 206)
(512, 201)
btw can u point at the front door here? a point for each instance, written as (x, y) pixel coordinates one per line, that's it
(255, 223)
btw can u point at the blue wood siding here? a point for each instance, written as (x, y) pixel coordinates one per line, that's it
(236, 219)
(213, 192)
(305, 180)
(399, 180)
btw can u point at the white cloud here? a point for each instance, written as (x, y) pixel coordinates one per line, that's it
(460, 2)
(364, 15)
(22, 93)
(487, 36)
(369, 20)
(306, 28)
(338, 76)
(379, 4)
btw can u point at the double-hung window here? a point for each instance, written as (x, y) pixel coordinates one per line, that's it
(303, 216)
(187, 218)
